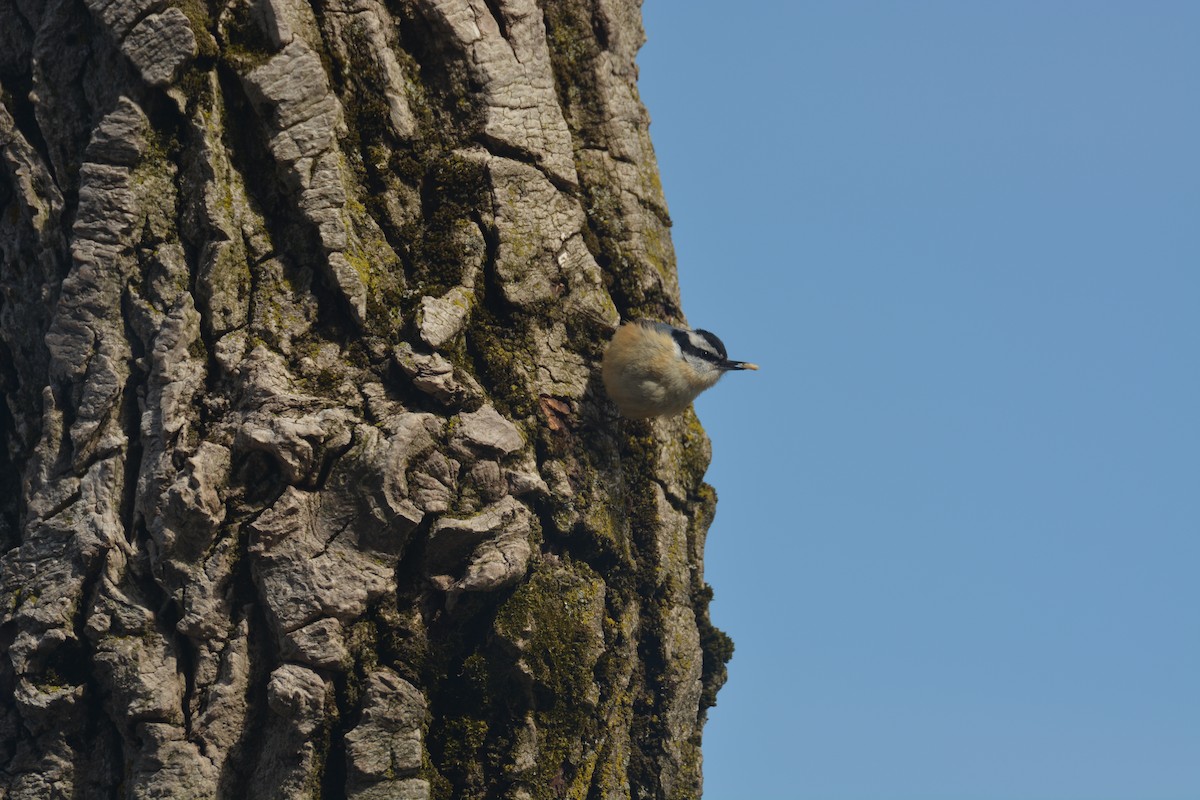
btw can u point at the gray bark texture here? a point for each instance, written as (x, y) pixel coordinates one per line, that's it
(308, 486)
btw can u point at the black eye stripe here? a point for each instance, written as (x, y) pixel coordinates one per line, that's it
(688, 346)
(716, 343)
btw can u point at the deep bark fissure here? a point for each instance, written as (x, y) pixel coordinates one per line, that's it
(237, 772)
(16, 89)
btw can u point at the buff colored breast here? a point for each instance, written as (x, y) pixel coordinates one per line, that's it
(645, 376)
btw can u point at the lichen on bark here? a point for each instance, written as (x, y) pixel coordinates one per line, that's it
(309, 487)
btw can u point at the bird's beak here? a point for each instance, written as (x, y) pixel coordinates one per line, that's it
(740, 365)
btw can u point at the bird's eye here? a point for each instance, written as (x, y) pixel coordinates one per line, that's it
(712, 342)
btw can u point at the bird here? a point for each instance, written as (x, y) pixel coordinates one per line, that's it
(652, 369)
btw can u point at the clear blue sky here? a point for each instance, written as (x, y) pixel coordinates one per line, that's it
(958, 539)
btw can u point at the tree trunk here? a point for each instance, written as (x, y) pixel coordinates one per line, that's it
(309, 488)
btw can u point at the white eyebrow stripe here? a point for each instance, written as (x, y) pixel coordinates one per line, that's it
(700, 343)
(698, 347)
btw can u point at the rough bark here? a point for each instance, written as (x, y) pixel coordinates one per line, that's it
(308, 486)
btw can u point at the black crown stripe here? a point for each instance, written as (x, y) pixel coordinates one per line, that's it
(686, 345)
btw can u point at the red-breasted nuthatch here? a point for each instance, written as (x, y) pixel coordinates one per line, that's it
(652, 369)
